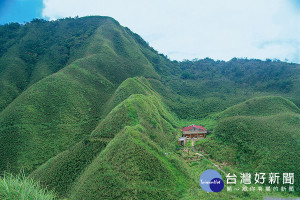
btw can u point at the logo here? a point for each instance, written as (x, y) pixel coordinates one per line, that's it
(211, 181)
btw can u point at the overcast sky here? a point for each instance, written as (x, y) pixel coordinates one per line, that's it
(188, 29)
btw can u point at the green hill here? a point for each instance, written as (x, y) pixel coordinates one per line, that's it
(260, 135)
(262, 106)
(64, 107)
(132, 140)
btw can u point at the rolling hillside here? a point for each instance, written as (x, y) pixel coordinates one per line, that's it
(260, 135)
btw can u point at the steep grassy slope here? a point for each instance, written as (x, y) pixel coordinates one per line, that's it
(260, 135)
(132, 166)
(51, 115)
(137, 132)
(38, 49)
(128, 87)
(64, 107)
(61, 171)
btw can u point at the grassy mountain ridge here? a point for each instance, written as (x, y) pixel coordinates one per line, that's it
(128, 87)
(90, 110)
(39, 49)
(141, 170)
(143, 133)
(62, 108)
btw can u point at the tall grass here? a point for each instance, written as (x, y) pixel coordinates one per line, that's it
(21, 188)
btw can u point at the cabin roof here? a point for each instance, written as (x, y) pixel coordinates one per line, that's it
(193, 126)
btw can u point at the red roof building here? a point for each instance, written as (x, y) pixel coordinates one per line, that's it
(194, 131)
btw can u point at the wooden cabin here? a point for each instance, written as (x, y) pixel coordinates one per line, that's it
(182, 141)
(194, 131)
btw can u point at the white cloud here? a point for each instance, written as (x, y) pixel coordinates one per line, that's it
(200, 28)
